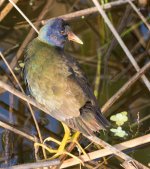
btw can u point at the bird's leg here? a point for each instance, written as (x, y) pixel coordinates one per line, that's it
(62, 144)
(66, 139)
(52, 139)
(50, 150)
(74, 139)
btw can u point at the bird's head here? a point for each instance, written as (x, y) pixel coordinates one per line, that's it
(56, 32)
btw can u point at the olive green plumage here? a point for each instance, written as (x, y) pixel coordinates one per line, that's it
(56, 81)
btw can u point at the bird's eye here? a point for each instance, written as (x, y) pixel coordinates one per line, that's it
(62, 32)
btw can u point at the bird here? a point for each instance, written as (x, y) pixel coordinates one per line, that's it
(54, 78)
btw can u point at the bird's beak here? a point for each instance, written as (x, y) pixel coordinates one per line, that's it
(73, 37)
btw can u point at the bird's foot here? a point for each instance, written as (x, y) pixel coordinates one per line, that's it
(74, 139)
(61, 150)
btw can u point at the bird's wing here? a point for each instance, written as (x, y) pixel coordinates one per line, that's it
(79, 78)
(89, 117)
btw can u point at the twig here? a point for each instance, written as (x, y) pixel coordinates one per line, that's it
(126, 69)
(120, 41)
(98, 73)
(139, 14)
(7, 132)
(124, 88)
(23, 117)
(105, 152)
(11, 49)
(5, 79)
(140, 39)
(133, 27)
(84, 12)
(23, 15)
(64, 156)
(23, 96)
(21, 133)
(6, 10)
(1, 2)
(113, 44)
(35, 165)
(89, 11)
(140, 121)
(114, 150)
(30, 34)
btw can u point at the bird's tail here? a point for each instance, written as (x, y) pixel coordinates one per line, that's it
(90, 120)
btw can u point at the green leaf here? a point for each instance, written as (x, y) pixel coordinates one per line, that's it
(119, 132)
(21, 65)
(16, 68)
(120, 118)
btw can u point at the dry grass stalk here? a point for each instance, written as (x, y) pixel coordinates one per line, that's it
(105, 152)
(36, 165)
(23, 15)
(21, 133)
(124, 88)
(139, 14)
(6, 10)
(120, 41)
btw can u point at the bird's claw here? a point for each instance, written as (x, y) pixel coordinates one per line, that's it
(61, 150)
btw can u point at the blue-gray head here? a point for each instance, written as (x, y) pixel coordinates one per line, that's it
(56, 32)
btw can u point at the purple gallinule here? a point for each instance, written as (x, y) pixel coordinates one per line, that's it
(55, 80)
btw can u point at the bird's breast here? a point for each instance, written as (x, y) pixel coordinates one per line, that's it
(47, 77)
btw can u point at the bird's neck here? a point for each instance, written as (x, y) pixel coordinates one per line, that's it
(47, 41)
(45, 47)
(59, 49)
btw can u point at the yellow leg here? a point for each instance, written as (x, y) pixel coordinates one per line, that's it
(66, 139)
(52, 139)
(62, 144)
(75, 140)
